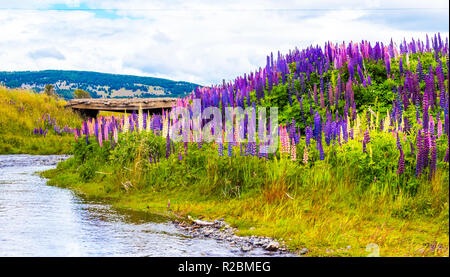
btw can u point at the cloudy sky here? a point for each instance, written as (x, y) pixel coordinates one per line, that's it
(198, 41)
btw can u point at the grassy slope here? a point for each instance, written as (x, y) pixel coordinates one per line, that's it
(20, 112)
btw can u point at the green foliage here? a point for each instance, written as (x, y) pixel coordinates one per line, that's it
(49, 90)
(79, 93)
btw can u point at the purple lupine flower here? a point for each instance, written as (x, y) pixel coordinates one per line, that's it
(230, 150)
(366, 136)
(322, 155)
(253, 149)
(317, 127)
(400, 66)
(308, 135)
(364, 146)
(168, 150)
(420, 71)
(328, 132)
(426, 148)
(399, 146)
(86, 130)
(220, 149)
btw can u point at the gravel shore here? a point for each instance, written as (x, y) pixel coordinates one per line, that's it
(221, 231)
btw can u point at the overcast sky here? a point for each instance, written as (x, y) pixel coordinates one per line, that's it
(200, 41)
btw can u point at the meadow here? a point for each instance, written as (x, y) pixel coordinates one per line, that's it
(362, 158)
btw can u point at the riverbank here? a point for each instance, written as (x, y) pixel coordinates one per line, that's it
(33, 123)
(327, 214)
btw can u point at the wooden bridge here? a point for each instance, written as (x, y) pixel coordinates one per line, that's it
(90, 107)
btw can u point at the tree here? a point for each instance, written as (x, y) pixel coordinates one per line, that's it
(49, 90)
(79, 93)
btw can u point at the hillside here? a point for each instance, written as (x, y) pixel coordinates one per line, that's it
(97, 84)
(35, 123)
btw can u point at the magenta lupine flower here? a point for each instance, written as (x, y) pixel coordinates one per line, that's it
(100, 138)
(419, 164)
(401, 163)
(431, 125)
(322, 101)
(439, 127)
(316, 100)
(425, 110)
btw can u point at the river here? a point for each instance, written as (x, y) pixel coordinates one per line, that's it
(40, 220)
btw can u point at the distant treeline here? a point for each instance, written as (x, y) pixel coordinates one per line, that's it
(86, 80)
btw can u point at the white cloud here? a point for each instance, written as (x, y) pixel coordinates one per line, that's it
(199, 41)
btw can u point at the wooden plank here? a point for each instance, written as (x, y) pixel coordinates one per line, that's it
(130, 104)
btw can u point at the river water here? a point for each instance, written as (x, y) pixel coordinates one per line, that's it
(41, 220)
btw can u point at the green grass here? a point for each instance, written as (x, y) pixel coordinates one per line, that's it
(21, 111)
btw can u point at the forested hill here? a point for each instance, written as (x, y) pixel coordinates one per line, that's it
(97, 84)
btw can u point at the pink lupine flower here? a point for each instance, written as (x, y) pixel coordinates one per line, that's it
(293, 151)
(305, 156)
(100, 138)
(439, 128)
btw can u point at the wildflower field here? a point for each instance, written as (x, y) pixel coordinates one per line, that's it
(362, 151)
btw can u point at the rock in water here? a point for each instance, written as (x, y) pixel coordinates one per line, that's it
(273, 246)
(303, 251)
